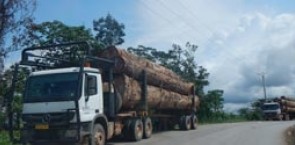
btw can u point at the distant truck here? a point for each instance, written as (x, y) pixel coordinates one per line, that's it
(115, 94)
(282, 108)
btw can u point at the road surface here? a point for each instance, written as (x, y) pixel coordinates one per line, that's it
(246, 133)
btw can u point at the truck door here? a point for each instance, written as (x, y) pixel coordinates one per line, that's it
(92, 103)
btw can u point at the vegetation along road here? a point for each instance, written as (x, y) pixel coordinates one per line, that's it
(246, 133)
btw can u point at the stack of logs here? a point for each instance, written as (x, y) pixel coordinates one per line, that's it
(165, 89)
(287, 104)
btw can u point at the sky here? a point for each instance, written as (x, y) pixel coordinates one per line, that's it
(238, 39)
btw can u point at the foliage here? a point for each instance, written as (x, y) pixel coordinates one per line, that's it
(211, 105)
(109, 31)
(4, 138)
(56, 32)
(6, 93)
(250, 114)
(145, 52)
(253, 112)
(178, 59)
(15, 19)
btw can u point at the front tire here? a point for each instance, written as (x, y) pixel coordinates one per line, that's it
(98, 135)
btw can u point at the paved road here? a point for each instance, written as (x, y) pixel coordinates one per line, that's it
(247, 133)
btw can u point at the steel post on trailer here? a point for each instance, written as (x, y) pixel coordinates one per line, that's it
(194, 109)
(112, 97)
(144, 91)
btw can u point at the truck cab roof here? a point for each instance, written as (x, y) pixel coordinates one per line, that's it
(64, 70)
(270, 103)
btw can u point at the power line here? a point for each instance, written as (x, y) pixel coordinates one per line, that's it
(156, 13)
(177, 15)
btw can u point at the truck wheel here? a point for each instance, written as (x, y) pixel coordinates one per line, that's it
(287, 117)
(185, 123)
(136, 130)
(98, 136)
(194, 122)
(147, 127)
(280, 117)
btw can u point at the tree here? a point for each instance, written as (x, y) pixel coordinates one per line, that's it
(201, 80)
(145, 52)
(214, 97)
(5, 87)
(253, 112)
(56, 32)
(15, 19)
(109, 31)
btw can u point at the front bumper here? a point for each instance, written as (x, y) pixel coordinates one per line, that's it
(271, 116)
(69, 134)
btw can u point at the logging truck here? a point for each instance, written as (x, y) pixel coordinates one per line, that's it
(282, 108)
(97, 98)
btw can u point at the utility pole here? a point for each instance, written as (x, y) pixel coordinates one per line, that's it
(262, 74)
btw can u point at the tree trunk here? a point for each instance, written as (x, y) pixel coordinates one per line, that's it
(157, 75)
(290, 104)
(157, 98)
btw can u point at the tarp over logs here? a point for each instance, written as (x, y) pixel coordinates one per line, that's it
(157, 75)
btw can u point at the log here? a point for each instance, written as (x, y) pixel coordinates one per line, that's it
(157, 98)
(157, 75)
(287, 103)
(289, 109)
(288, 98)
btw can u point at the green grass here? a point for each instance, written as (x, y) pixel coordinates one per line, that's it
(4, 138)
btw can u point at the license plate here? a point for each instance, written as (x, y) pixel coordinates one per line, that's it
(41, 126)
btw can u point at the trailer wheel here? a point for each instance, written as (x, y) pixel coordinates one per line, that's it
(147, 127)
(185, 123)
(99, 135)
(287, 117)
(194, 122)
(136, 130)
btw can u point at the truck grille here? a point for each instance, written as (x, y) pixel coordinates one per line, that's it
(49, 118)
(271, 114)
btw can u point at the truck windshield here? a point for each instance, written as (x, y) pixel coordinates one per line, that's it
(270, 107)
(53, 87)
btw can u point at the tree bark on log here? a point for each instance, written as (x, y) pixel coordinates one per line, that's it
(288, 109)
(290, 104)
(157, 98)
(157, 75)
(288, 98)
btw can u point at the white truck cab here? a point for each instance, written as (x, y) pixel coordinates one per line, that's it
(272, 110)
(49, 100)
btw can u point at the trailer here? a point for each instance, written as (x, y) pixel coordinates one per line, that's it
(100, 97)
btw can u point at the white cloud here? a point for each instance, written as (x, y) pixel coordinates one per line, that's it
(234, 45)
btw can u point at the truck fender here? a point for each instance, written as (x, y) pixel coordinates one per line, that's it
(101, 119)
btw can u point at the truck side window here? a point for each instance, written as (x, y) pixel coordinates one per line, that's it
(90, 85)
